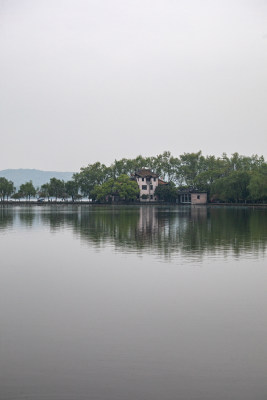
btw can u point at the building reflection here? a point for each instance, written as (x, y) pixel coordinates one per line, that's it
(166, 231)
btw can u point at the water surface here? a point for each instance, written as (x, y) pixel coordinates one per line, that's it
(136, 303)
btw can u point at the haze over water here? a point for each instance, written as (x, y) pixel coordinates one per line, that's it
(136, 303)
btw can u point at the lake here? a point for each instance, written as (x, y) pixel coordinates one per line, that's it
(133, 303)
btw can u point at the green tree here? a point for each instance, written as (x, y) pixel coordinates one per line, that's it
(166, 166)
(27, 190)
(139, 162)
(258, 184)
(17, 196)
(167, 192)
(102, 192)
(6, 188)
(90, 176)
(210, 169)
(120, 167)
(44, 191)
(124, 187)
(190, 167)
(72, 189)
(56, 188)
(226, 177)
(232, 188)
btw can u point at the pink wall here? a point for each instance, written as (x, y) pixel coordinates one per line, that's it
(201, 200)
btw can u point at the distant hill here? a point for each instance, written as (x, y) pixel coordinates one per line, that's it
(38, 178)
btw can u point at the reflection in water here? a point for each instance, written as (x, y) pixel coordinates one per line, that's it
(6, 218)
(77, 323)
(161, 230)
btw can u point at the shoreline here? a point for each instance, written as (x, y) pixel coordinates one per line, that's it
(89, 203)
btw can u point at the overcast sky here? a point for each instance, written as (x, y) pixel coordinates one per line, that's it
(89, 80)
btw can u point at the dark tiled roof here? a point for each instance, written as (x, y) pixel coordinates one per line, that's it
(161, 182)
(143, 173)
(190, 191)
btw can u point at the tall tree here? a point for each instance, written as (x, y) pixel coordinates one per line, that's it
(258, 184)
(56, 188)
(126, 188)
(232, 188)
(90, 176)
(6, 188)
(17, 196)
(166, 166)
(167, 192)
(123, 187)
(72, 189)
(190, 167)
(27, 190)
(120, 167)
(44, 191)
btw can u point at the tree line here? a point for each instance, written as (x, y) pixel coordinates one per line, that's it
(236, 178)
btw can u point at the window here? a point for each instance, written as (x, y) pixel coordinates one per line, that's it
(155, 179)
(151, 187)
(185, 198)
(144, 187)
(143, 179)
(151, 197)
(198, 196)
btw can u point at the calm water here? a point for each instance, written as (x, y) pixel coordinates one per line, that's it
(142, 303)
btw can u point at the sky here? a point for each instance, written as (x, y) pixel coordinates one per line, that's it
(96, 80)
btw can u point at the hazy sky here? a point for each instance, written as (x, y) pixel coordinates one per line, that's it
(89, 80)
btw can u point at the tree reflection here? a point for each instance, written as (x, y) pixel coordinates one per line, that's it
(6, 218)
(169, 230)
(163, 231)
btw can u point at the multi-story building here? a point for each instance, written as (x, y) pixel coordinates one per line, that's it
(147, 182)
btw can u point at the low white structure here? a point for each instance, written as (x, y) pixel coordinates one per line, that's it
(191, 197)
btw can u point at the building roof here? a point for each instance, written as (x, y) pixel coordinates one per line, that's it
(190, 191)
(161, 182)
(145, 173)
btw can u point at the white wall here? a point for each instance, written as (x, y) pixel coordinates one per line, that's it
(147, 191)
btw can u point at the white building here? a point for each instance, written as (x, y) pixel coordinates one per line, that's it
(192, 197)
(147, 182)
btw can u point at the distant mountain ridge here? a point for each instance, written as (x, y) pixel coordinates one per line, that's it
(38, 177)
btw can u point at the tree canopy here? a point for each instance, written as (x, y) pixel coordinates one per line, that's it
(167, 192)
(236, 178)
(27, 190)
(56, 188)
(6, 188)
(123, 188)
